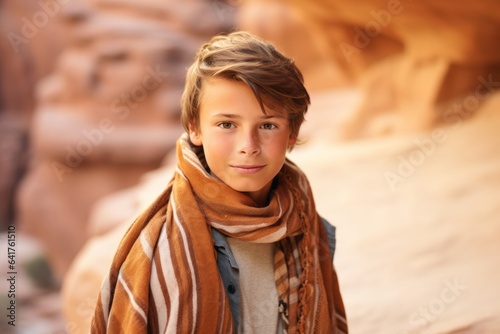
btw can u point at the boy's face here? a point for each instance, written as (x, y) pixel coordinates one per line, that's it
(244, 147)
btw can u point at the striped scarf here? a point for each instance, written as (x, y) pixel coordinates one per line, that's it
(164, 277)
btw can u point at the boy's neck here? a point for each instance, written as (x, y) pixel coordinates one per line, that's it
(263, 196)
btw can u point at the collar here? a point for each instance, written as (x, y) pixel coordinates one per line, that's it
(220, 242)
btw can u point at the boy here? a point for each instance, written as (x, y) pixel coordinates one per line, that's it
(234, 244)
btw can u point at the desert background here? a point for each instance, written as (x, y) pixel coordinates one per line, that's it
(401, 145)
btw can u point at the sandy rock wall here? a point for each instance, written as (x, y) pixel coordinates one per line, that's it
(109, 112)
(30, 42)
(417, 224)
(414, 60)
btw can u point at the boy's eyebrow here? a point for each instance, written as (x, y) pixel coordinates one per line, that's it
(227, 115)
(238, 116)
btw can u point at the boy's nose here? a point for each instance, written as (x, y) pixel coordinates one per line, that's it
(249, 143)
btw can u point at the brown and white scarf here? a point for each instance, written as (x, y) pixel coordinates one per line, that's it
(164, 277)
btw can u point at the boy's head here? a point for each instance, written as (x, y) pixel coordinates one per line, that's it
(273, 78)
(243, 104)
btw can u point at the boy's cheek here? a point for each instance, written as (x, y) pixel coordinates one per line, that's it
(217, 143)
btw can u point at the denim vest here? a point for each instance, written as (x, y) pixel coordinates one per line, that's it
(229, 271)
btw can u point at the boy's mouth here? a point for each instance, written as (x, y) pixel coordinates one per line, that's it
(248, 169)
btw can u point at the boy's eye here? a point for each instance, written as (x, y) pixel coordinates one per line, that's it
(225, 125)
(269, 126)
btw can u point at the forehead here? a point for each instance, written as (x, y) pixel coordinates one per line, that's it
(228, 95)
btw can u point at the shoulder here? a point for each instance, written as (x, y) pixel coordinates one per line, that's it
(330, 232)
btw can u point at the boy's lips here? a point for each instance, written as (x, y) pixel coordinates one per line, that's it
(248, 169)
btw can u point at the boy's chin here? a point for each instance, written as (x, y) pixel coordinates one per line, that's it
(259, 193)
(249, 188)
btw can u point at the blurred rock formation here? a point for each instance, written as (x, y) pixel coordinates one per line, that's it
(414, 60)
(109, 112)
(417, 224)
(29, 45)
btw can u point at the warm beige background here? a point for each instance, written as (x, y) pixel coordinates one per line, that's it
(401, 143)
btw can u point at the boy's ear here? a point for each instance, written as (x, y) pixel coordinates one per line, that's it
(194, 136)
(292, 140)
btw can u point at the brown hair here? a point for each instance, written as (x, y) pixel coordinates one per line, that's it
(274, 79)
